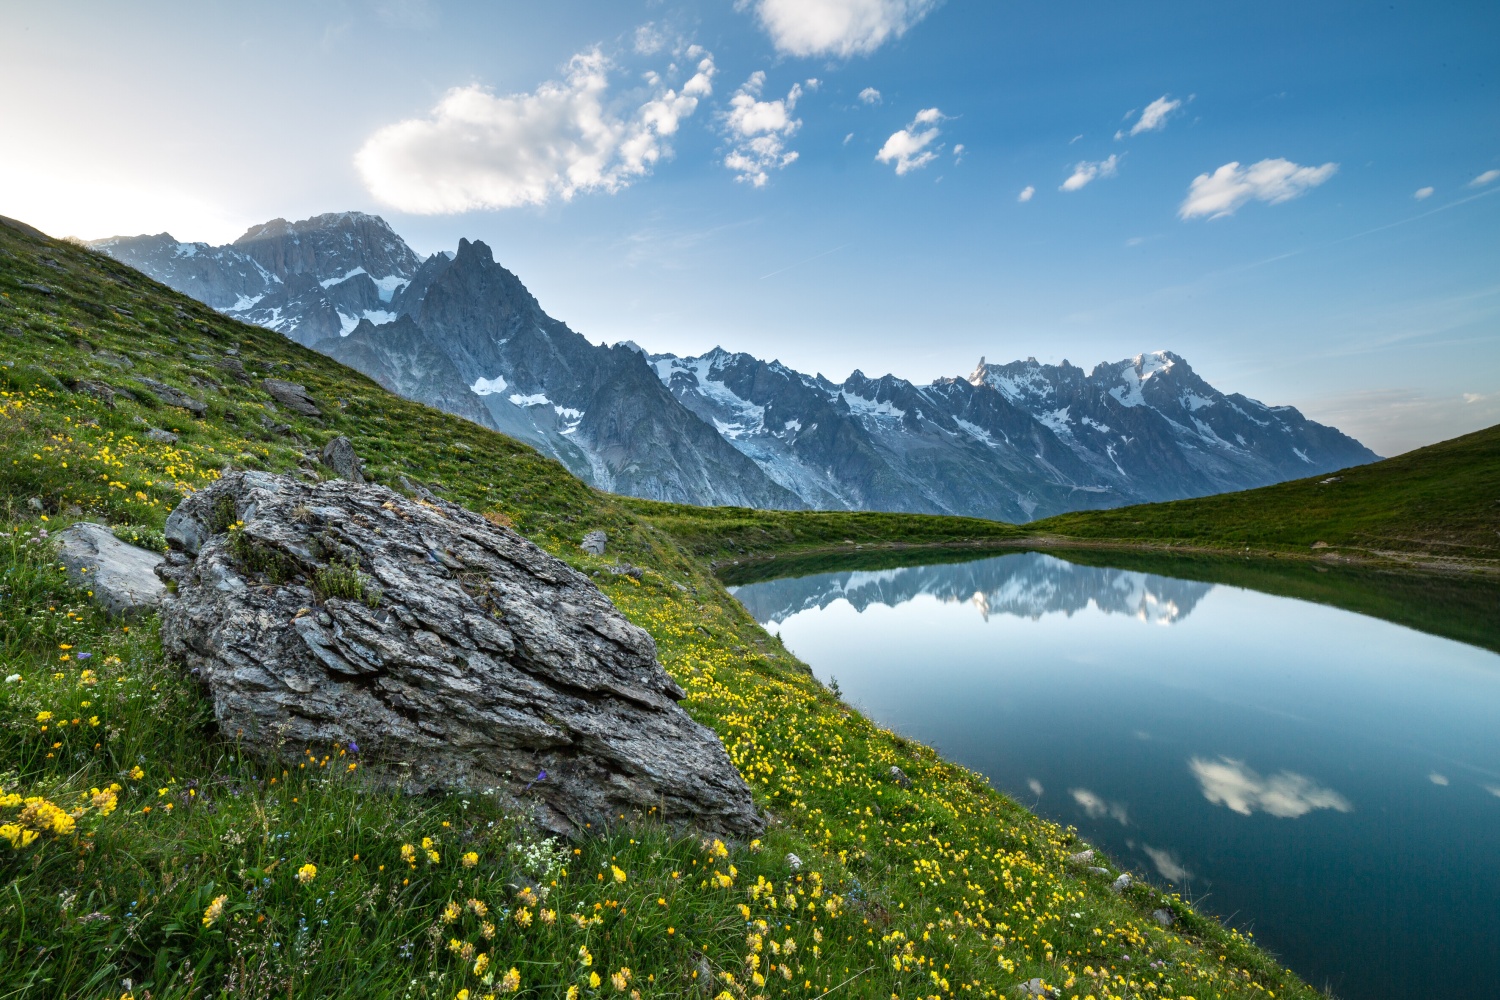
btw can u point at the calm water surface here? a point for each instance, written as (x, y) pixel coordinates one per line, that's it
(1328, 781)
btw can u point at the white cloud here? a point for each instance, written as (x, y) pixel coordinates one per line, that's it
(836, 27)
(958, 153)
(848, 138)
(649, 39)
(1034, 785)
(1026, 193)
(870, 95)
(758, 131)
(912, 147)
(1271, 181)
(1096, 808)
(1085, 172)
(1422, 194)
(1438, 779)
(1285, 794)
(1489, 176)
(478, 150)
(1166, 862)
(812, 84)
(1154, 118)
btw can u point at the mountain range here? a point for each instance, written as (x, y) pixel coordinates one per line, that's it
(1013, 442)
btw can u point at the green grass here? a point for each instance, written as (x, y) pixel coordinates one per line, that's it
(1435, 504)
(944, 888)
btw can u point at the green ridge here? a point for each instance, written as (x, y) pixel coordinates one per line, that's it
(141, 853)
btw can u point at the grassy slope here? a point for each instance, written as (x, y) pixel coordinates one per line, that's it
(1442, 501)
(942, 888)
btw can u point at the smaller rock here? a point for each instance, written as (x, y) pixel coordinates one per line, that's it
(102, 391)
(1122, 883)
(1082, 857)
(122, 577)
(1037, 988)
(235, 367)
(339, 456)
(899, 777)
(35, 505)
(593, 542)
(293, 396)
(626, 569)
(1098, 871)
(117, 360)
(793, 862)
(1163, 917)
(160, 436)
(173, 396)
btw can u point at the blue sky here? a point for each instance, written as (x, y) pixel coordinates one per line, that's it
(686, 174)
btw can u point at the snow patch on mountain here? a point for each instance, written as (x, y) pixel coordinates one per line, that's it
(487, 386)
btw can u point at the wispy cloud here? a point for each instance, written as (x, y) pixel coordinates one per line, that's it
(1086, 172)
(649, 39)
(478, 150)
(1026, 194)
(1286, 794)
(912, 148)
(839, 28)
(1422, 194)
(1154, 118)
(1271, 181)
(1488, 177)
(870, 95)
(758, 131)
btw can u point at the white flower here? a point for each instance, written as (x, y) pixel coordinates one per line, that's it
(12, 678)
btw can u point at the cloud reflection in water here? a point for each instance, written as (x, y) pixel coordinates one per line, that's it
(1228, 782)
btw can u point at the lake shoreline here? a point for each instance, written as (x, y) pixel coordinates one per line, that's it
(1414, 564)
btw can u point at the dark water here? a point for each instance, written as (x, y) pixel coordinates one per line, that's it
(1328, 781)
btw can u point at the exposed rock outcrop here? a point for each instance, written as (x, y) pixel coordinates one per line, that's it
(122, 577)
(455, 653)
(293, 396)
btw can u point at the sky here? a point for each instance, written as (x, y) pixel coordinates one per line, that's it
(1301, 199)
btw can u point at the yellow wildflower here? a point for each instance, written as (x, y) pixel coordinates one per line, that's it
(307, 873)
(470, 859)
(214, 911)
(511, 981)
(481, 963)
(451, 912)
(617, 872)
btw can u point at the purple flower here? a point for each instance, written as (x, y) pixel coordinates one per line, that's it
(85, 656)
(353, 747)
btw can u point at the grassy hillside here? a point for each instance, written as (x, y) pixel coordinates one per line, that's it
(143, 854)
(1435, 505)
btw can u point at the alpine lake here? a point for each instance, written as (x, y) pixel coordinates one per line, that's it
(1310, 753)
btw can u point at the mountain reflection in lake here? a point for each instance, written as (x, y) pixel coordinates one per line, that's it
(1327, 780)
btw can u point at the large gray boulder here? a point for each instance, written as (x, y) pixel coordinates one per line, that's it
(122, 577)
(454, 653)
